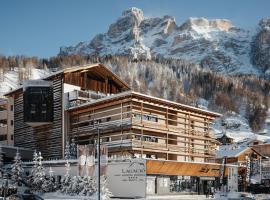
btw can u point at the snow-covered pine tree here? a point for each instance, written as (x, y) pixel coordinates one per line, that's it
(34, 168)
(76, 186)
(49, 183)
(16, 168)
(67, 151)
(73, 149)
(105, 192)
(38, 176)
(89, 186)
(66, 181)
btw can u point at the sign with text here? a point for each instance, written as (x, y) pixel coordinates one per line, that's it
(127, 179)
(265, 166)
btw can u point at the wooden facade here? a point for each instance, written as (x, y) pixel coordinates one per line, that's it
(134, 124)
(45, 138)
(50, 138)
(184, 168)
(130, 123)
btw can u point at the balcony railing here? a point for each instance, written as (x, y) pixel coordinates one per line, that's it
(78, 97)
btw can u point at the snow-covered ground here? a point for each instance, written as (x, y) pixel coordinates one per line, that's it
(224, 196)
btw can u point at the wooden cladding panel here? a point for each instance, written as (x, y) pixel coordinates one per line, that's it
(45, 138)
(90, 82)
(182, 168)
(148, 121)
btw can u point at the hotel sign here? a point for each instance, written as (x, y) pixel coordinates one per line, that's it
(127, 179)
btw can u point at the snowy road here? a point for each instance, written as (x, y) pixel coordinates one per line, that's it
(57, 196)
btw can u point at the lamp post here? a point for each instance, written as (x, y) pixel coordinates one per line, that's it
(98, 152)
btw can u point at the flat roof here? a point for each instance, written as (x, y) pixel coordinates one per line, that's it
(137, 94)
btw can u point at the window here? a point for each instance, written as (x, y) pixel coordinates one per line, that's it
(11, 122)
(192, 124)
(255, 143)
(12, 137)
(137, 116)
(11, 107)
(33, 109)
(148, 155)
(43, 108)
(154, 118)
(205, 125)
(3, 137)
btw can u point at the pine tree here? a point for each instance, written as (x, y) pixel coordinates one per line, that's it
(16, 168)
(89, 186)
(73, 149)
(39, 176)
(76, 186)
(49, 183)
(34, 168)
(105, 193)
(66, 182)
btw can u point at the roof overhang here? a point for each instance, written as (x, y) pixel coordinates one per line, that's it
(100, 67)
(133, 94)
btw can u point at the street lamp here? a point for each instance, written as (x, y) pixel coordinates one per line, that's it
(98, 152)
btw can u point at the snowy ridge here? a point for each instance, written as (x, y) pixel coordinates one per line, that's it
(214, 44)
(234, 126)
(237, 128)
(11, 79)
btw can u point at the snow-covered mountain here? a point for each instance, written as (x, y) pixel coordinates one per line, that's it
(213, 44)
(234, 126)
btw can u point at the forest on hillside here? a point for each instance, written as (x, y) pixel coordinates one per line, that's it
(172, 79)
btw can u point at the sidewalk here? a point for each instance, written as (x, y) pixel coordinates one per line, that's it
(186, 197)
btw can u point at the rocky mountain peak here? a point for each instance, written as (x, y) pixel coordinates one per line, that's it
(265, 23)
(134, 12)
(214, 44)
(261, 47)
(221, 24)
(129, 21)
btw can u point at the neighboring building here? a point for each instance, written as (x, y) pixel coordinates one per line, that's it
(76, 103)
(3, 121)
(264, 149)
(245, 158)
(225, 139)
(6, 121)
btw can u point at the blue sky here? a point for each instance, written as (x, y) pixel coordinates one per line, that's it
(39, 28)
